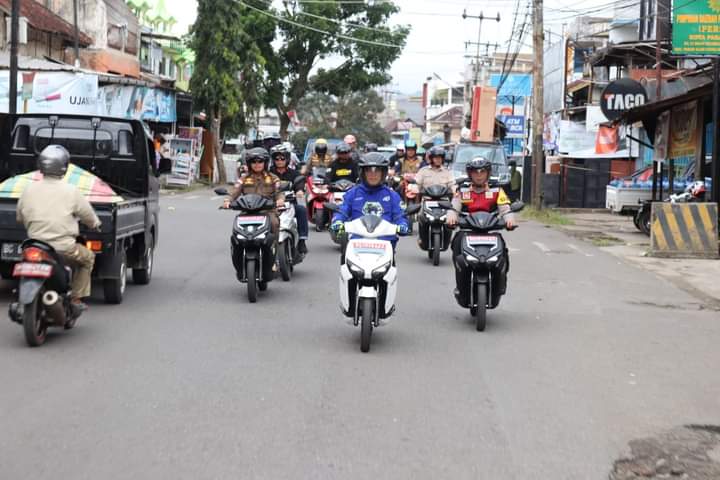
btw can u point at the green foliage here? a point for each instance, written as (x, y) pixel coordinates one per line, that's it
(362, 66)
(356, 114)
(229, 64)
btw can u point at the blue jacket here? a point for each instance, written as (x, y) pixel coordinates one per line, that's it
(382, 201)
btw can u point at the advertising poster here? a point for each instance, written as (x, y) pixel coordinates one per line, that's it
(51, 92)
(683, 147)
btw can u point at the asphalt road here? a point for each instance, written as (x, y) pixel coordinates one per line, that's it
(187, 380)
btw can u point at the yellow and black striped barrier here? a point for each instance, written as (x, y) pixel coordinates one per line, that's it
(684, 230)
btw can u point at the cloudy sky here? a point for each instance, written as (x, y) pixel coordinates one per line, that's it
(437, 40)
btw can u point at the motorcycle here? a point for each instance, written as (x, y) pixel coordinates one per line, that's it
(410, 192)
(338, 190)
(695, 192)
(43, 292)
(433, 232)
(251, 243)
(288, 238)
(368, 275)
(319, 193)
(485, 255)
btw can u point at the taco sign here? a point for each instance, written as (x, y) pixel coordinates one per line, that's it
(620, 96)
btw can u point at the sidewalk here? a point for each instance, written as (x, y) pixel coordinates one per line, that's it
(617, 235)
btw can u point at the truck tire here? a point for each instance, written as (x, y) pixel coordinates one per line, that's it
(142, 276)
(114, 288)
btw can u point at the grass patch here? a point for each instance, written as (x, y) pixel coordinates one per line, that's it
(547, 216)
(602, 240)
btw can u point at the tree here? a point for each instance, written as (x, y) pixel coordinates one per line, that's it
(229, 63)
(324, 115)
(355, 33)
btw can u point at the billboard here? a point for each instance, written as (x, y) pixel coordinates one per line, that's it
(696, 28)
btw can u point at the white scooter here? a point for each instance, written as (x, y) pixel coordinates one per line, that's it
(287, 254)
(368, 275)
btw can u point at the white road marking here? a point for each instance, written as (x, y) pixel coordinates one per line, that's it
(191, 197)
(542, 247)
(513, 250)
(577, 249)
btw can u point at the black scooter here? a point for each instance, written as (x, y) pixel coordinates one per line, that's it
(251, 243)
(433, 230)
(43, 292)
(482, 251)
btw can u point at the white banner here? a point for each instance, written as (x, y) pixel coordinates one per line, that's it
(51, 92)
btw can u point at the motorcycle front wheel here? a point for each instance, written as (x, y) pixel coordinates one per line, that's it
(367, 308)
(319, 219)
(436, 249)
(285, 260)
(480, 312)
(252, 286)
(33, 324)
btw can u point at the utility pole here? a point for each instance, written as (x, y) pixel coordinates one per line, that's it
(538, 163)
(480, 18)
(76, 33)
(14, 30)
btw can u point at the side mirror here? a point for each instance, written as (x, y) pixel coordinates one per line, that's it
(461, 180)
(221, 191)
(331, 206)
(445, 204)
(517, 206)
(165, 166)
(284, 185)
(413, 209)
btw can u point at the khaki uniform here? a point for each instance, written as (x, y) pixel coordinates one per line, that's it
(410, 166)
(318, 161)
(428, 176)
(265, 184)
(50, 210)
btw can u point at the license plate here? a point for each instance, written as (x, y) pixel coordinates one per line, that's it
(372, 248)
(11, 252)
(474, 240)
(432, 204)
(39, 270)
(251, 220)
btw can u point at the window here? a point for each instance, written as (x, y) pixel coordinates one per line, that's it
(78, 141)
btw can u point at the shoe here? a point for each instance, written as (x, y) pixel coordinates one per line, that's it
(78, 308)
(302, 248)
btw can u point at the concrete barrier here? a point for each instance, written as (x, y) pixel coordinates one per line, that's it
(684, 230)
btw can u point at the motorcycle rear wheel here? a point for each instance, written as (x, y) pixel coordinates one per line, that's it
(33, 324)
(367, 310)
(252, 286)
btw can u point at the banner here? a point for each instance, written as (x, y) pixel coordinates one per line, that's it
(607, 140)
(683, 134)
(515, 125)
(574, 137)
(662, 130)
(551, 130)
(146, 103)
(51, 92)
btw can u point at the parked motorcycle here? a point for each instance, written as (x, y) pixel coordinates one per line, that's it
(338, 190)
(433, 231)
(368, 275)
(485, 255)
(43, 292)
(251, 243)
(318, 193)
(288, 238)
(695, 192)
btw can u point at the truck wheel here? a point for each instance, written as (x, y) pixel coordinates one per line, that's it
(644, 221)
(142, 276)
(114, 288)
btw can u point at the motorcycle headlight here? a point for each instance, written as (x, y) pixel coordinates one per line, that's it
(430, 217)
(493, 259)
(380, 271)
(355, 269)
(261, 236)
(443, 218)
(471, 259)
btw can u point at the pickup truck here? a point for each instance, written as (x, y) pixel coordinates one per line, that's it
(118, 152)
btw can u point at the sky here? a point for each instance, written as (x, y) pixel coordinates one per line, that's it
(436, 43)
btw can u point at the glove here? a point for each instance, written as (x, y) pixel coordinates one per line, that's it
(403, 229)
(337, 226)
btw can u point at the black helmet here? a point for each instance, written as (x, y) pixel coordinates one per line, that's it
(53, 161)
(437, 152)
(373, 160)
(410, 144)
(279, 150)
(343, 148)
(321, 146)
(478, 163)
(257, 154)
(371, 147)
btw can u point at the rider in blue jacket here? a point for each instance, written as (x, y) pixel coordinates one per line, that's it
(372, 197)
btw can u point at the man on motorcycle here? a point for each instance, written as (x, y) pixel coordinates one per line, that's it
(279, 156)
(411, 163)
(50, 209)
(397, 157)
(436, 173)
(478, 198)
(352, 141)
(343, 168)
(321, 157)
(372, 197)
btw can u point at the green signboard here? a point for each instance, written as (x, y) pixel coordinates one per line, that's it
(696, 27)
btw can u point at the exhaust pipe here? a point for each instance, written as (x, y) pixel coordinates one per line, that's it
(54, 307)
